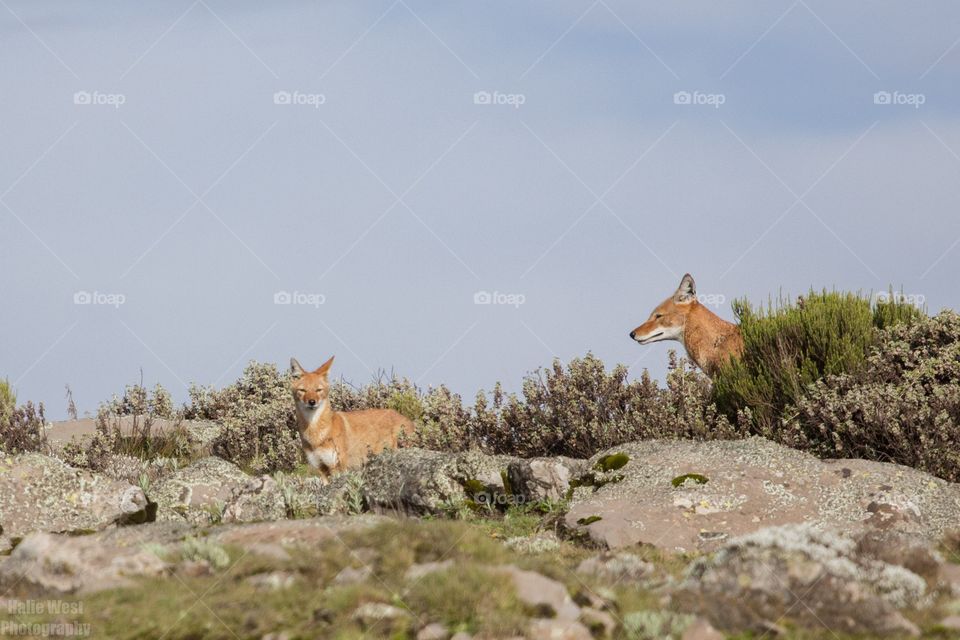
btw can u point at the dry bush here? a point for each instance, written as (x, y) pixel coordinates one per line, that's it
(259, 425)
(903, 406)
(22, 429)
(126, 426)
(575, 411)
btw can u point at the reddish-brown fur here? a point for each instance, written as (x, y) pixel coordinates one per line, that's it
(334, 441)
(710, 341)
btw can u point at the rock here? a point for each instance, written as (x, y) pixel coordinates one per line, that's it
(274, 538)
(701, 629)
(948, 575)
(951, 623)
(420, 482)
(557, 630)
(351, 575)
(373, 613)
(536, 543)
(814, 578)
(461, 635)
(57, 564)
(52, 564)
(548, 597)
(600, 623)
(433, 631)
(259, 499)
(418, 571)
(213, 490)
(424, 482)
(542, 479)
(40, 493)
(272, 580)
(748, 485)
(618, 567)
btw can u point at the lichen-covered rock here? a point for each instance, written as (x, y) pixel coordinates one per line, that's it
(40, 493)
(422, 482)
(549, 598)
(49, 564)
(543, 479)
(617, 568)
(259, 499)
(213, 490)
(687, 495)
(426, 482)
(812, 577)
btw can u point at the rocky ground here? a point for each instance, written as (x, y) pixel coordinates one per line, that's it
(656, 539)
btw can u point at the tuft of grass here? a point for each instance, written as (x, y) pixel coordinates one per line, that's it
(696, 478)
(202, 549)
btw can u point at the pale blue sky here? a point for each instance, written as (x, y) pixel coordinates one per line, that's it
(398, 198)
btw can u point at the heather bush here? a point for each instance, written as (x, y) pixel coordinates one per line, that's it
(22, 429)
(575, 410)
(137, 401)
(789, 346)
(259, 425)
(903, 406)
(127, 426)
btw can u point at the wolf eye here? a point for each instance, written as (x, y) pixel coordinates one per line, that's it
(657, 315)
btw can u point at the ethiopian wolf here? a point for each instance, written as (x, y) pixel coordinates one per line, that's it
(334, 441)
(710, 340)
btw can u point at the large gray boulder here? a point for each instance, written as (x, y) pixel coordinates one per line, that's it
(51, 564)
(40, 493)
(688, 495)
(801, 574)
(419, 481)
(212, 490)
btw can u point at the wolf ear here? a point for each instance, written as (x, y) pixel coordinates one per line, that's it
(687, 291)
(295, 368)
(325, 367)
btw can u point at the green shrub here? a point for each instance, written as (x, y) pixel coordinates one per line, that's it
(789, 346)
(902, 406)
(137, 401)
(8, 400)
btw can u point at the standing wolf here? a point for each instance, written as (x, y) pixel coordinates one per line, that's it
(710, 340)
(334, 441)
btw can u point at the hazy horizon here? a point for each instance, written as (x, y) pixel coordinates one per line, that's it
(191, 185)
